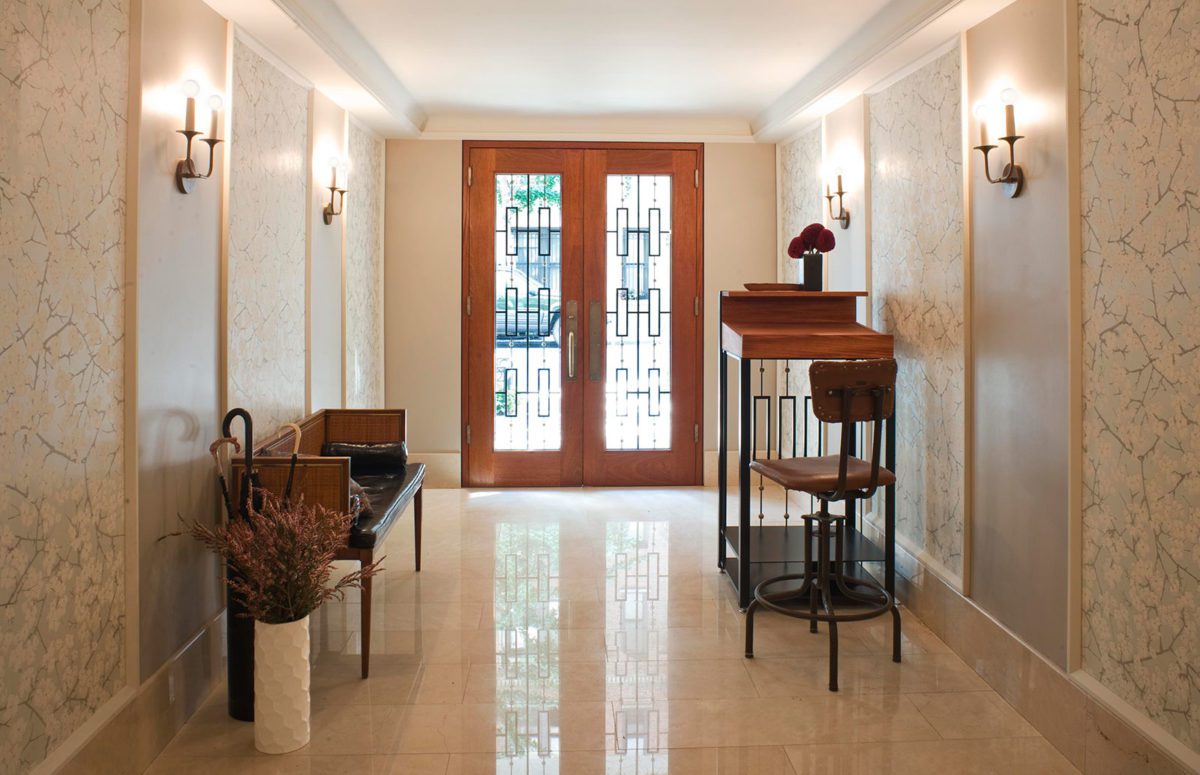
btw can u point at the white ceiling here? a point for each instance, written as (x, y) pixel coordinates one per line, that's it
(712, 59)
(600, 69)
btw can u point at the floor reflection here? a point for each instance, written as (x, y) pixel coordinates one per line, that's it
(636, 608)
(526, 610)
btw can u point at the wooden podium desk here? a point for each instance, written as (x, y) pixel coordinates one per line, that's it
(788, 325)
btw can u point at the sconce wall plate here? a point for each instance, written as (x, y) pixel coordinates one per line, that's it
(843, 215)
(185, 170)
(330, 211)
(1012, 177)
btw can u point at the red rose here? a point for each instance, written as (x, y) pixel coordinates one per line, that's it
(810, 234)
(825, 241)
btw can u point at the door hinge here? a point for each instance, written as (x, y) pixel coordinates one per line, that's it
(468, 305)
(696, 433)
(468, 433)
(469, 176)
(697, 177)
(696, 307)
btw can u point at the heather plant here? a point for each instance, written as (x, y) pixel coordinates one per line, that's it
(282, 555)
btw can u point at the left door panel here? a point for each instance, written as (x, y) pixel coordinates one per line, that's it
(523, 278)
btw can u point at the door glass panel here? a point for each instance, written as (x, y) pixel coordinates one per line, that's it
(527, 310)
(637, 380)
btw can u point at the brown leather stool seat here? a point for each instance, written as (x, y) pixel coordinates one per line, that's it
(820, 474)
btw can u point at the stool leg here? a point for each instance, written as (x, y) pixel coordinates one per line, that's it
(813, 591)
(750, 629)
(895, 632)
(827, 604)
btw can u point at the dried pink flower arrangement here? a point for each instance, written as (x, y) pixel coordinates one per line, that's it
(283, 555)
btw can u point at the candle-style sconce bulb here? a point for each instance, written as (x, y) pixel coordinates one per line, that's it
(186, 173)
(843, 215)
(1012, 177)
(337, 196)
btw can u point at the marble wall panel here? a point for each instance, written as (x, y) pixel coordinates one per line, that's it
(799, 205)
(1140, 116)
(917, 277)
(268, 197)
(364, 272)
(64, 99)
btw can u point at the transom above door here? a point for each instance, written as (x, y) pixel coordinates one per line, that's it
(582, 271)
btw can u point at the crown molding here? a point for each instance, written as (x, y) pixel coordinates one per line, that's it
(904, 31)
(324, 22)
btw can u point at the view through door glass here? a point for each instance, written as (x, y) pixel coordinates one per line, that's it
(528, 312)
(637, 384)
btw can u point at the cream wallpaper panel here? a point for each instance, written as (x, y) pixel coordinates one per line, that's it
(64, 97)
(799, 194)
(800, 204)
(917, 273)
(268, 195)
(364, 271)
(1140, 117)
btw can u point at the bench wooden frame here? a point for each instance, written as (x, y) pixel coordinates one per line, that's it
(325, 481)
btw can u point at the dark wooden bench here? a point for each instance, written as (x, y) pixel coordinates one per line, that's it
(325, 481)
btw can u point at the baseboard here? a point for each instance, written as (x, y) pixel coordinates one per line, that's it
(137, 731)
(1086, 722)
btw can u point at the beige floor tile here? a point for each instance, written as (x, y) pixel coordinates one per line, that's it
(1023, 756)
(972, 714)
(592, 675)
(874, 674)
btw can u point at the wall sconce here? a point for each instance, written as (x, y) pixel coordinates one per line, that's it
(1012, 177)
(340, 193)
(185, 171)
(843, 215)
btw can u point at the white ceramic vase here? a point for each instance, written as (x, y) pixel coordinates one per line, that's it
(281, 680)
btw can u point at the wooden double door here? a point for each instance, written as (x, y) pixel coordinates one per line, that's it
(582, 315)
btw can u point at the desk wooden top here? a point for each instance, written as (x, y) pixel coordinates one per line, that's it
(803, 341)
(799, 325)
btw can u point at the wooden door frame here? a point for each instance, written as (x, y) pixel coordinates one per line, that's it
(464, 286)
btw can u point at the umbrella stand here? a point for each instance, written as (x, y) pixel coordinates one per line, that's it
(287, 490)
(239, 628)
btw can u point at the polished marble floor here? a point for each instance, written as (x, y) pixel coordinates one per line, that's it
(588, 631)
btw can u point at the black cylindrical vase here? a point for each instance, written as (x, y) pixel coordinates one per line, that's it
(239, 642)
(813, 274)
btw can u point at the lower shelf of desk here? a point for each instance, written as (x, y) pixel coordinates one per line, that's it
(776, 550)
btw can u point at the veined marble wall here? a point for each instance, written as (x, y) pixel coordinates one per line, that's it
(64, 97)
(800, 194)
(268, 197)
(799, 205)
(1140, 116)
(364, 272)
(917, 278)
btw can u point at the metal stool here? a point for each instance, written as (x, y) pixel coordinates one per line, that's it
(845, 392)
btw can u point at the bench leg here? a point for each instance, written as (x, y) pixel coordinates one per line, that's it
(366, 625)
(417, 525)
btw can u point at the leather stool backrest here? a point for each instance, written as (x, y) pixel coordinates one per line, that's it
(833, 382)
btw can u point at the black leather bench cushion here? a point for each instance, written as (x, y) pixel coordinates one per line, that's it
(388, 494)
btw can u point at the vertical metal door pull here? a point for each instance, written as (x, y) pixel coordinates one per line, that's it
(572, 325)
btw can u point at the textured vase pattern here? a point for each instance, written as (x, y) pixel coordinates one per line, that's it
(281, 676)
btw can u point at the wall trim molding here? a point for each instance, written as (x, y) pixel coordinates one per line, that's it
(241, 35)
(904, 31)
(1059, 704)
(86, 732)
(134, 727)
(329, 28)
(1106, 697)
